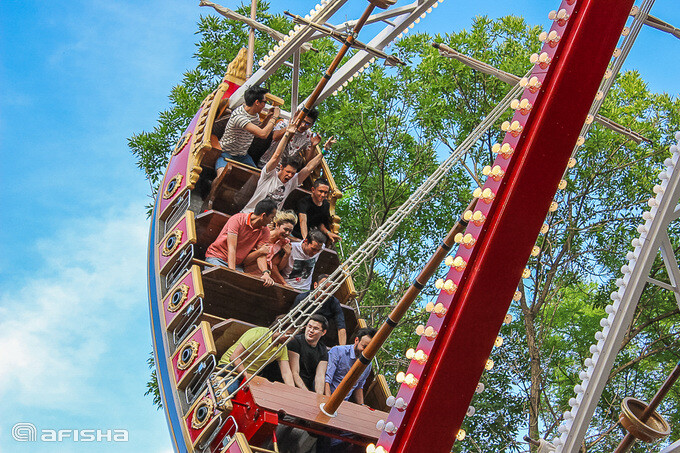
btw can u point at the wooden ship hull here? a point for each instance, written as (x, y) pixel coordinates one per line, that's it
(199, 310)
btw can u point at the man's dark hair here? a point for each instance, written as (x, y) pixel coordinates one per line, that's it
(320, 277)
(313, 114)
(294, 161)
(279, 318)
(316, 235)
(253, 94)
(364, 331)
(321, 319)
(321, 182)
(265, 206)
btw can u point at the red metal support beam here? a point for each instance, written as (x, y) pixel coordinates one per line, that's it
(448, 381)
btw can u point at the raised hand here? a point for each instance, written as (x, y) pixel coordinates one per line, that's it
(330, 142)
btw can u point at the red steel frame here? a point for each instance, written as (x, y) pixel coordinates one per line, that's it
(440, 401)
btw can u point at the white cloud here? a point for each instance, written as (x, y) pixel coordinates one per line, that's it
(56, 326)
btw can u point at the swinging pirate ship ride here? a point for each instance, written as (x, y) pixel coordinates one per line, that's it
(198, 310)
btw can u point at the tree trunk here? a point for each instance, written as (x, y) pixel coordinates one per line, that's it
(535, 371)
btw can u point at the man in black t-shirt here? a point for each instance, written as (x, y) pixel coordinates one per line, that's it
(314, 212)
(331, 310)
(308, 356)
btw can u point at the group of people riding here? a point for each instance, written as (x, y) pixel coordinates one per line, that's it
(283, 246)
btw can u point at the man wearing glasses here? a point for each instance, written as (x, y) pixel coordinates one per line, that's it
(331, 309)
(301, 144)
(243, 125)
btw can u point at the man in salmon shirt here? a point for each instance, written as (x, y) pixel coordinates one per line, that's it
(241, 236)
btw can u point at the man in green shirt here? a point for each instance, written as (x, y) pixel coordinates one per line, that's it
(256, 359)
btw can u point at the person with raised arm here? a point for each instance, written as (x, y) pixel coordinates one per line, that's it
(302, 143)
(276, 185)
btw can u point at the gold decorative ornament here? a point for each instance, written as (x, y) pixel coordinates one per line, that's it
(173, 186)
(185, 360)
(181, 295)
(199, 129)
(183, 140)
(236, 71)
(172, 242)
(203, 413)
(655, 428)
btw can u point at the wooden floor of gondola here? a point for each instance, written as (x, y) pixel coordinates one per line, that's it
(304, 405)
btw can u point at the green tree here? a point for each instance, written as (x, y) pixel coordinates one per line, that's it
(393, 127)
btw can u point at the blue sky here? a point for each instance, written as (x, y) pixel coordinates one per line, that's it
(78, 78)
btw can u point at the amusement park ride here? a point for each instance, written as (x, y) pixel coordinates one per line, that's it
(198, 310)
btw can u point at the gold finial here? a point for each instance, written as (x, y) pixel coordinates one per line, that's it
(236, 71)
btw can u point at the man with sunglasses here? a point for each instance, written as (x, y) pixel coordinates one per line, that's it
(302, 143)
(243, 125)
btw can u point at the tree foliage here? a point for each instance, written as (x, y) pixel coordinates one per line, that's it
(394, 125)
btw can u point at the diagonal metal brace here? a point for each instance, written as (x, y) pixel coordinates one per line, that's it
(229, 14)
(390, 60)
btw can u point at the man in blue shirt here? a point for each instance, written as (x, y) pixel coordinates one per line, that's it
(341, 359)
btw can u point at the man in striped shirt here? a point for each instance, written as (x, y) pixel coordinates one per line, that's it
(243, 125)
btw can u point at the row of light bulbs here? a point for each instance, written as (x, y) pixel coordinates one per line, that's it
(613, 310)
(279, 45)
(477, 217)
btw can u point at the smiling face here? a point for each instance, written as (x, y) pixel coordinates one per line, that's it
(320, 193)
(313, 332)
(284, 229)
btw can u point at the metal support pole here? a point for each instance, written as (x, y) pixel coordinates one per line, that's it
(251, 40)
(343, 389)
(296, 82)
(329, 72)
(334, 64)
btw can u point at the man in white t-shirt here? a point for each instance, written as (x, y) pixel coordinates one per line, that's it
(302, 260)
(277, 185)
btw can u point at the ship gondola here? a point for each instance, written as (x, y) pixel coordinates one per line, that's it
(199, 310)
